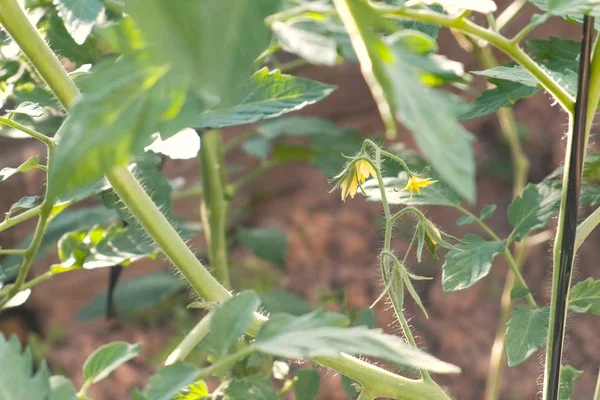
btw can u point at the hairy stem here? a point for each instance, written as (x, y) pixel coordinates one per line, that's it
(24, 216)
(214, 203)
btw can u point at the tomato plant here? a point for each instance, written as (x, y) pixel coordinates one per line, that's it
(114, 87)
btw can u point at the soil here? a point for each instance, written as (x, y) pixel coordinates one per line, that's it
(333, 247)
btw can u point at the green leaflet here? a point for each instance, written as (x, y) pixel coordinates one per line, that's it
(251, 388)
(533, 208)
(229, 322)
(469, 262)
(279, 301)
(307, 384)
(28, 165)
(312, 46)
(526, 332)
(439, 137)
(169, 380)
(108, 358)
(585, 297)
(505, 94)
(268, 94)
(267, 243)
(79, 16)
(18, 380)
(571, 8)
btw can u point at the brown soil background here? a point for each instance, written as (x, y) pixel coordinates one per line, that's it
(333, 248)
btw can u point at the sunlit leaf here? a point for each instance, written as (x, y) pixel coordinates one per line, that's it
(79, 16)
(584, 297)
(108, 358)
(28, 165)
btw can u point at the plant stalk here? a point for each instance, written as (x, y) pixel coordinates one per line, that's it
(158, 227)
(564, 245)
(215, 205)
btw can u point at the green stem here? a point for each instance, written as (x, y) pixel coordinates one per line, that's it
(159, 228)
(215, 203)
(39, 136)
(502, 43)
(190, 341)
(367, 394)
(594, 95)
(192, 191)
(16, 23)
(225, 362)
(15, 252)
(30, 253)
(133, 195)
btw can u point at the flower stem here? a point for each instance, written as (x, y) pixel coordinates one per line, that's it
(214, 203)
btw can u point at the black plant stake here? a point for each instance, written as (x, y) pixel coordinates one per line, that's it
(572, 205)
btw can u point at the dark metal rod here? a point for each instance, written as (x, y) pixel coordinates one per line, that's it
(567, 246)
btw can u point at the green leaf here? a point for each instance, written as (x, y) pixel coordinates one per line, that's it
(439, 136)
(268, 94)
(251, 388)
(313, 47)
(140, 293)
(24, 203)
(526, 332)
(568, 374)
(569, 7)
(585, 297)
(284, 323)
(519, 291)
(63, 43)
(267, 243)
(215, 42)
(487, 211)
(279, 301)
(229, 322)
(555, 51)
(533, 209)
(465, 220)
(327, 341)
(108, 358)
(79, 16)
(28, 165)
(437, 194)
(62, 389)
(169, 380)
(350, 386)
(590, 195)
(258, 147)
(66, 221)
(505, 94)
(18, 380)
(516, 73)
(28, 108)
(307, 384)
(469, 262)
(2, 277)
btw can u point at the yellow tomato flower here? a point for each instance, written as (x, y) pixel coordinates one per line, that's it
(360, 172)
(416, 183)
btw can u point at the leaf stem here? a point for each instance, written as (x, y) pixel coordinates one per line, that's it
(34, 134)
(12, 252)
(597, 392)
(24, 216)
(502, 43)
(238, 185)
(191, 340)
(510, 13)
(225, 362)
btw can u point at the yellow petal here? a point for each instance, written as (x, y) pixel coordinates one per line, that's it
(366, 169)
(353, 186)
